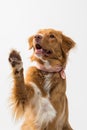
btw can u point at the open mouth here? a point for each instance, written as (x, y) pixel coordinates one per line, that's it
(40, 50)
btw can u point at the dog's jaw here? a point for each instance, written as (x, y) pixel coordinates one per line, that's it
(41, 51)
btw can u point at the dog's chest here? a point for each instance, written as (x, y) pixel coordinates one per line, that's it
(47, 82)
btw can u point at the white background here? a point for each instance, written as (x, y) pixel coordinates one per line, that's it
(21, 18)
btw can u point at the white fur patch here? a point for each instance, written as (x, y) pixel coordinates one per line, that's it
(44, 110)
(46, 113)
(47, 65)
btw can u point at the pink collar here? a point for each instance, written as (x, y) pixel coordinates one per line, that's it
(58, 69)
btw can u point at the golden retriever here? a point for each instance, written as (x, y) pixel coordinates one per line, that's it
(40, 97)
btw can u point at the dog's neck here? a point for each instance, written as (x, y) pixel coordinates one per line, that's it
(51, 69)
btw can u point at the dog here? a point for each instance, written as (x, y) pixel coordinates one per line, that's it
(40, 97)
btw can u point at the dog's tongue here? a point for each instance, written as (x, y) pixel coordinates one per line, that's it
(38, 51)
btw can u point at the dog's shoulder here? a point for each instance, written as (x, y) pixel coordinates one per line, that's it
(35, 75)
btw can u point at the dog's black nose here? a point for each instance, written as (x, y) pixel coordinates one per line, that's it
(38, 37)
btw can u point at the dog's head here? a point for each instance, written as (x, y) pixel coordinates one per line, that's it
(51, 47)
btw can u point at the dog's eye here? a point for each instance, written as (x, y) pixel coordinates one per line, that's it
(52, 36)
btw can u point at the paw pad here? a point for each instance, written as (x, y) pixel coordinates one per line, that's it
(15, 59)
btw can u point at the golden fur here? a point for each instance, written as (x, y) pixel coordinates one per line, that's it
(40, 97)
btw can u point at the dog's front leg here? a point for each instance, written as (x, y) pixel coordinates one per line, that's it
(21, 93)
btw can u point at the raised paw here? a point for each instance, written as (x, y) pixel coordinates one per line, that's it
(15, 60)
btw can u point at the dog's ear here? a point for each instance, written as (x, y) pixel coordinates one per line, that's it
(67, 43)
(30, 41)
